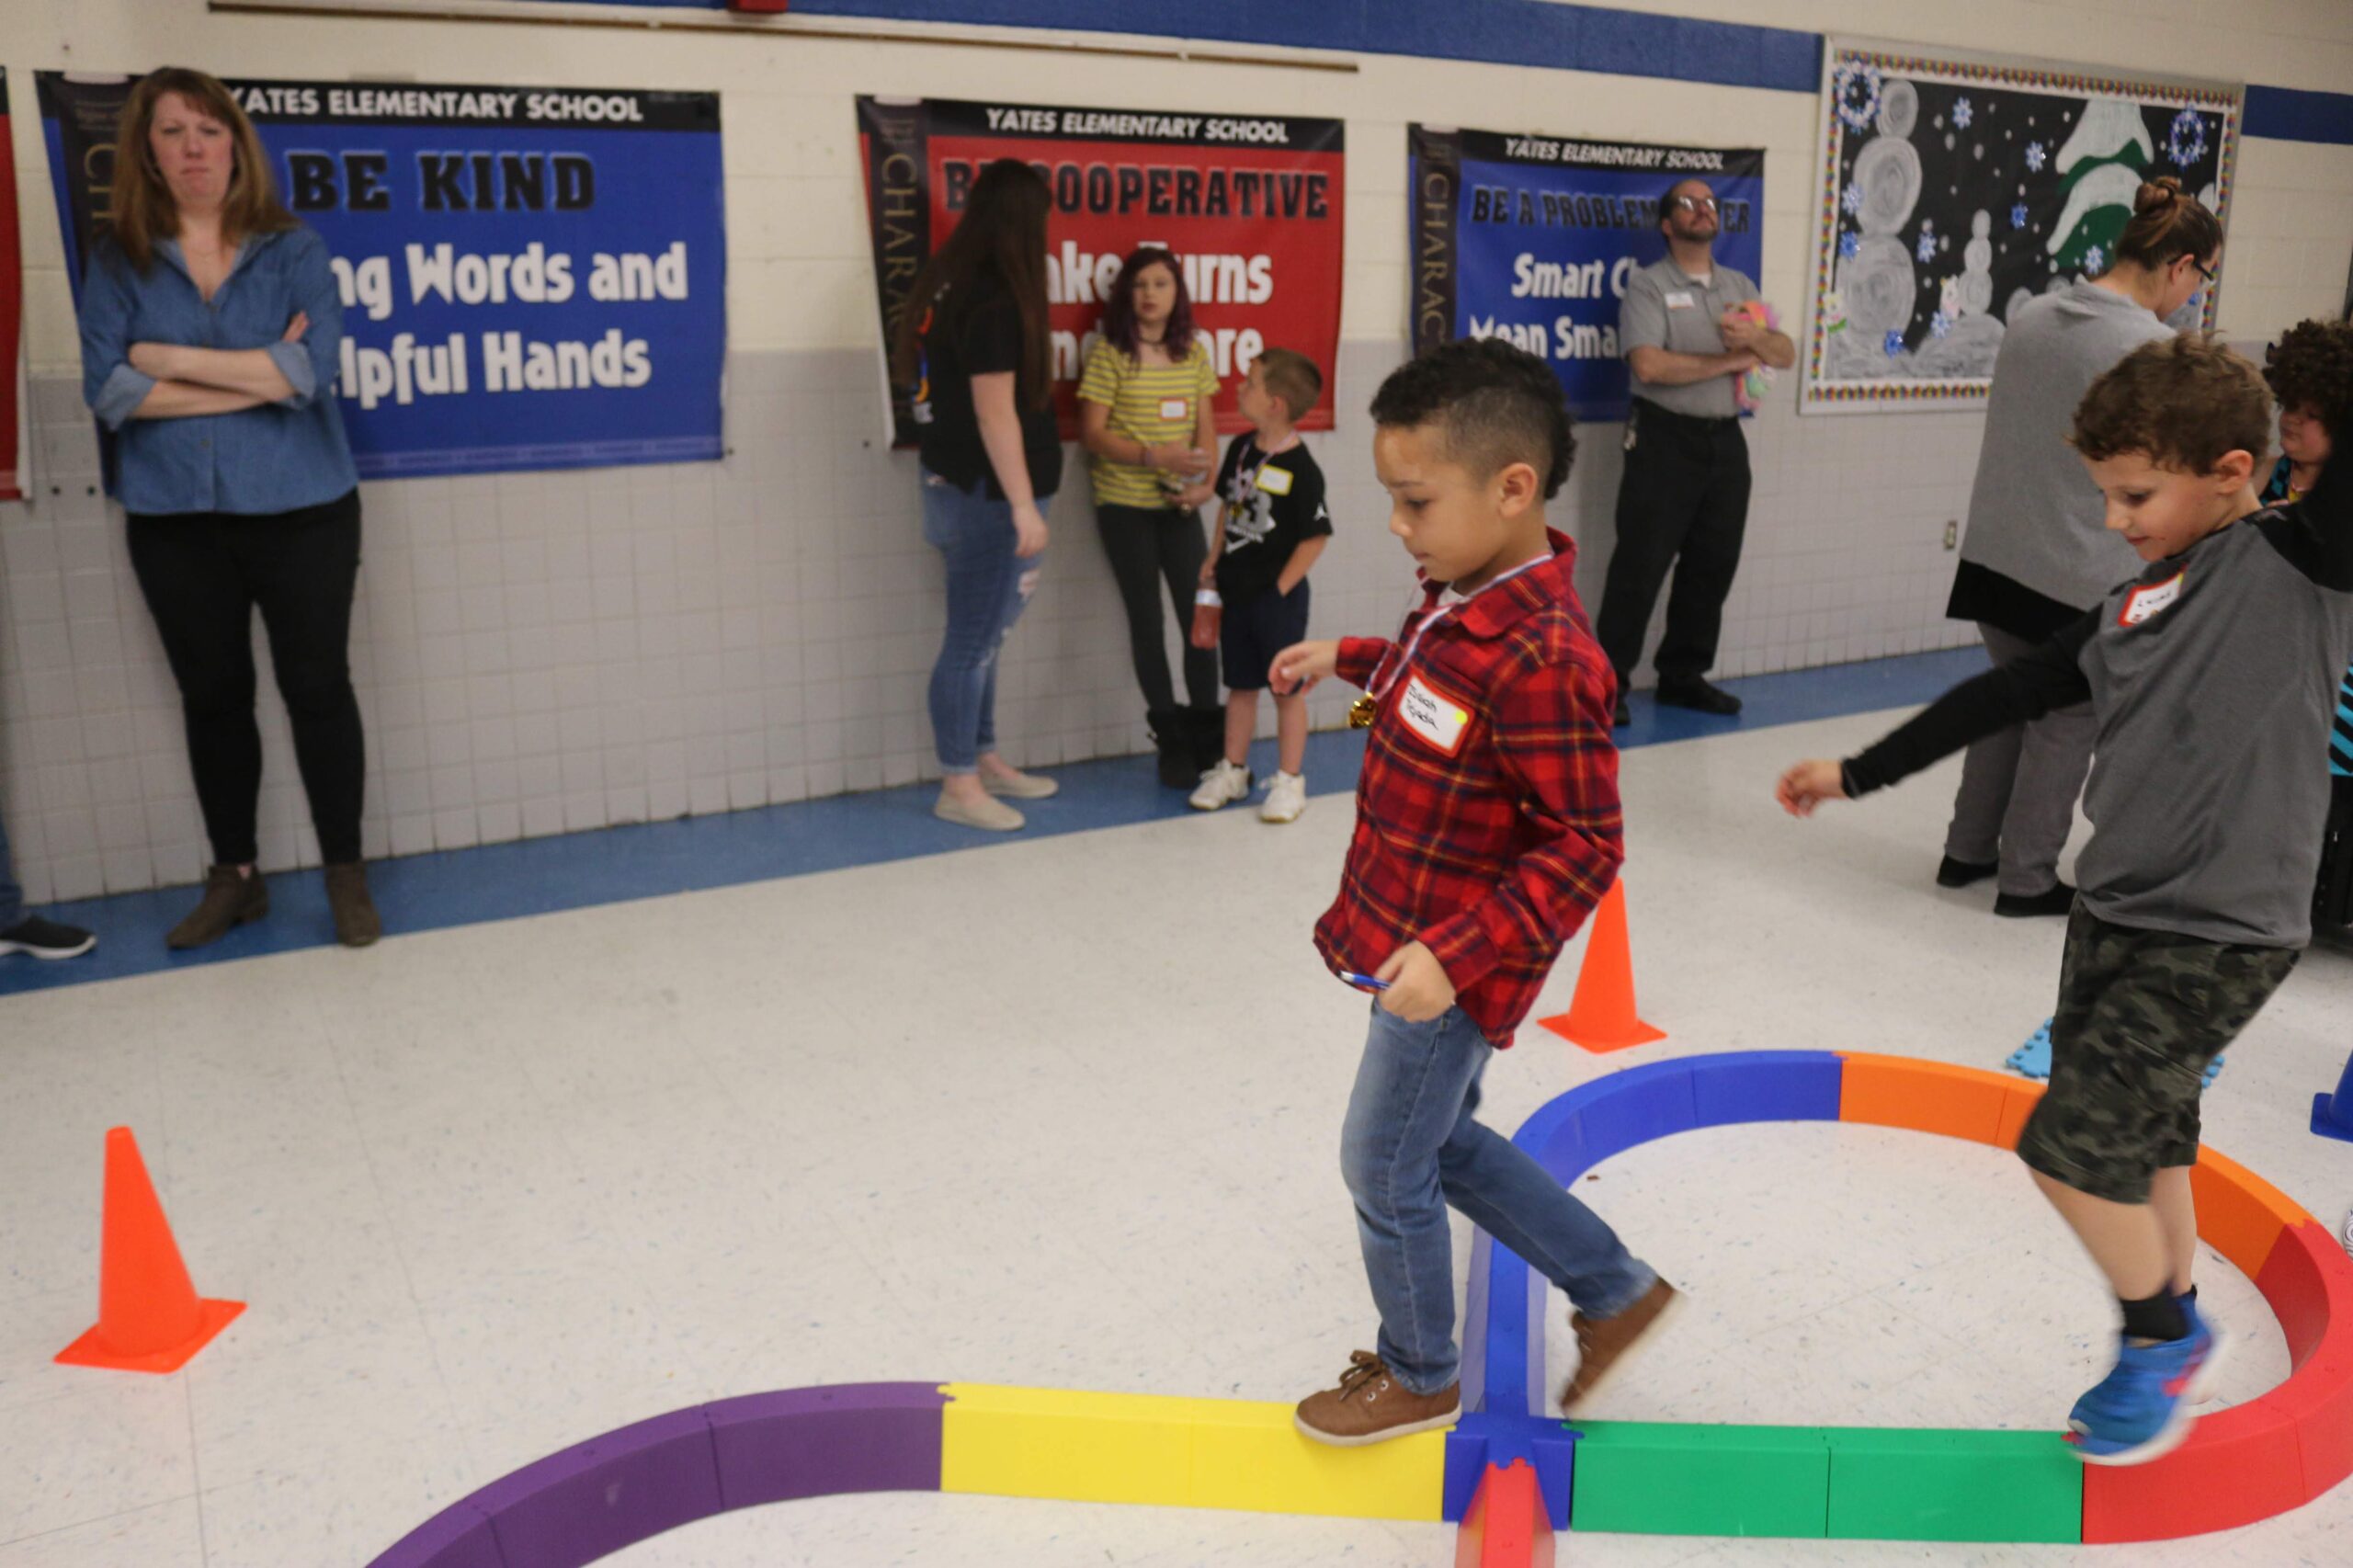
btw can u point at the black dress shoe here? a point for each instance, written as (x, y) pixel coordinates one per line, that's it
(1621, 715)
(2060, 900)
(1698, 694)
(1954, 873)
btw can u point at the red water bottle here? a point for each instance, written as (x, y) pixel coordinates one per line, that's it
(1209, 611)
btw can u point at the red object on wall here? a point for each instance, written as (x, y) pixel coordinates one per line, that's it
(760, 7)
(1253, 206)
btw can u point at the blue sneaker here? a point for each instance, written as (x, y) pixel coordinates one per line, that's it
(2208, 1377)
(2142, 1409)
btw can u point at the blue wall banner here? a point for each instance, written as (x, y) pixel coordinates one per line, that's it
(532, 277)
(1532, 238)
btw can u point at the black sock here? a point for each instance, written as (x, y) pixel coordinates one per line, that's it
(2158, 1318)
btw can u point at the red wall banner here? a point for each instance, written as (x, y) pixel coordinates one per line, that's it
(1251, 205)
(12, 297)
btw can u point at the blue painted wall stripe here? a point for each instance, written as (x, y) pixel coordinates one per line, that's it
(1501, 32)
(2291, 114)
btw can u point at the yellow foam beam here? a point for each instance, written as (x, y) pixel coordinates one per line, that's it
(1196, 1453)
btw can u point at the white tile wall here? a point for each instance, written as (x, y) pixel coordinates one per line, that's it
(542, 653)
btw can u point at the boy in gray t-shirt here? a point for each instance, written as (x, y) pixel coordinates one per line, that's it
(2211, 676)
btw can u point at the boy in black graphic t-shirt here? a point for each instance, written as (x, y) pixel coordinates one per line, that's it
(1274, 523)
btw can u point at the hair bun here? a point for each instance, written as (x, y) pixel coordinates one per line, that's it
(2154, 194)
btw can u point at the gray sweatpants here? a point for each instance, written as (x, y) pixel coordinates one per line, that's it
(2018, 790)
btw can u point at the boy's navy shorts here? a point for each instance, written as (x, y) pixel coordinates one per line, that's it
(1257, 629)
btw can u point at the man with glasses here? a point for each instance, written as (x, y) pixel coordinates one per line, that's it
(1684, 500)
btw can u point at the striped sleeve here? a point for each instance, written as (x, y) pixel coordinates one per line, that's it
(1106, 369)
(1207, 372)
(2340, 735)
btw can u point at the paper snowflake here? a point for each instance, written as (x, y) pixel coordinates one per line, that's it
(2017, 216)
(1961, 113)
(1940, 325)
(2186, 142)
(1849, 242)
(2095, 260)
(2034, 157)
(1852, 200)
(1855, 89)
(1893, 344)
(1928, 248)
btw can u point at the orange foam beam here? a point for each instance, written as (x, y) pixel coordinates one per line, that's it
(1925, 1096)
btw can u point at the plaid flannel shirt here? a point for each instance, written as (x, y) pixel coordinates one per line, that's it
(1489, 854)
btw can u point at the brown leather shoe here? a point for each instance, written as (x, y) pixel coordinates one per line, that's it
(231, 899)
(356, 924)
(1370, 1407)
(1604, 1342)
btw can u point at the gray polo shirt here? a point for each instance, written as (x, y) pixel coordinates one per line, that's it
(1665, 308)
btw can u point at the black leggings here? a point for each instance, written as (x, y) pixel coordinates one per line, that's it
(203, 574)
(1147, 543)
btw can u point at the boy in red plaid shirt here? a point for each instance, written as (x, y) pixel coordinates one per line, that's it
(1487, 828)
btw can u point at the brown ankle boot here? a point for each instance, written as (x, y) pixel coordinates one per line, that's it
(232, 898)
(356, 924)
(1604, 1341)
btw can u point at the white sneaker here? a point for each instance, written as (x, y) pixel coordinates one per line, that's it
(1286, 798)
(1221, 786)
(989, 813)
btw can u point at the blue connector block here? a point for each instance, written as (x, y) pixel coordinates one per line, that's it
(1765, 1085)
(1549, 1446)
(2333, 1113)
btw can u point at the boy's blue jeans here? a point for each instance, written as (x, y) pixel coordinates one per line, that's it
(988, 587)
(1410, 1149)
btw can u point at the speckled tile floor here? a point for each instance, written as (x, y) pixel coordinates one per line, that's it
(1061, 1113)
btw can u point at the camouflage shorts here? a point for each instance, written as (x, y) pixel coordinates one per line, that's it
(2141, 1014)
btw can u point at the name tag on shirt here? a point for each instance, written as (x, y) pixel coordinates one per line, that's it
(1678, 300)
(1175, 407)
(1275, 481)
(2142, 603)
(1435, 718)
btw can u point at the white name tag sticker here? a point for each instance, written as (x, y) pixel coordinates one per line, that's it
(2142, 603)
(1275, 481)
(1437, 719)
(1174, 408)
(1678, 300)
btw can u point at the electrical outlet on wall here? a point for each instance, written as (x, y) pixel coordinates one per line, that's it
(1952, 533)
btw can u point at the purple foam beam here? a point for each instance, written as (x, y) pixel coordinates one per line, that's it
(596, 1497)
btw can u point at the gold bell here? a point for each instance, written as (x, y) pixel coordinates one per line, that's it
(1361, 711)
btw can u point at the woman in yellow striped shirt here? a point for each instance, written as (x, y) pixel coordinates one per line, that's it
(1145, 408)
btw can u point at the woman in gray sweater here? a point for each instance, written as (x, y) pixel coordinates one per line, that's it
(2037, 554)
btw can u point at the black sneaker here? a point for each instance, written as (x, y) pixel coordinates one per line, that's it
(1698, 694)
(46, 940)
(1621, 715)
(1954, 873)
(2060, 900)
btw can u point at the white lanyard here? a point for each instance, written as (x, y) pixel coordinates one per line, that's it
(1381, 688)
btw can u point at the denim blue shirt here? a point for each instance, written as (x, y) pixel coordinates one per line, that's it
(277, 457)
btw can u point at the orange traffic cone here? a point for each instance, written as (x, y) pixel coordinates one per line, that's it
(150, 1318)
(1601, 1014)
